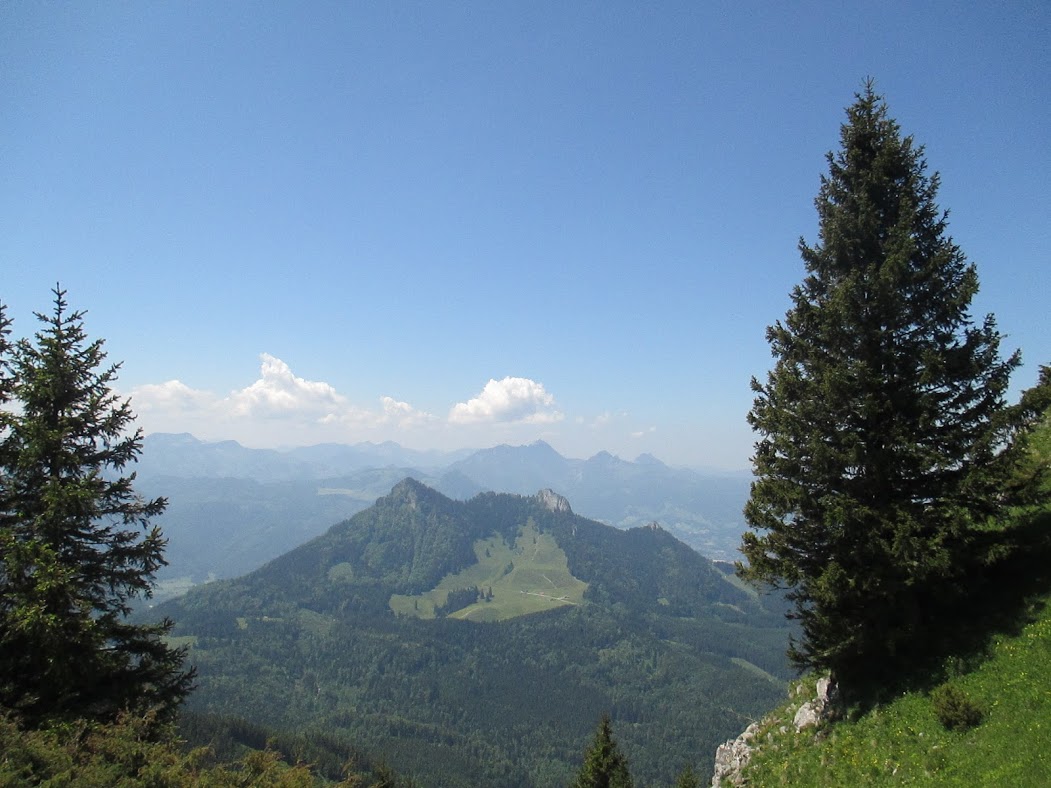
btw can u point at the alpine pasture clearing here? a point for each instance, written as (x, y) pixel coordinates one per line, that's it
(529, 576)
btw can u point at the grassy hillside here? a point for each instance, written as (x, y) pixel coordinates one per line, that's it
(529, 575)
(904, 742)
(993, 669)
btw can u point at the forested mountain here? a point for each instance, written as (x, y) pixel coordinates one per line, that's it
(231, 508)
(478, 642)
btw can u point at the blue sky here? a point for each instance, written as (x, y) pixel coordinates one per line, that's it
(461, 224)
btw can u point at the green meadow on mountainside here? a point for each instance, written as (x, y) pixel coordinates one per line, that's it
(530, 575)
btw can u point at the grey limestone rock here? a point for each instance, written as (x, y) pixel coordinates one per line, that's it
(552, 501)
(822, 708)
(732, 757)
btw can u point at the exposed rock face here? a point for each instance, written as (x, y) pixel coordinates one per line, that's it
(551, 500)
(821, 709)
(732, 757)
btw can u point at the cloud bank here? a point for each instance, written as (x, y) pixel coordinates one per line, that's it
(281, 408)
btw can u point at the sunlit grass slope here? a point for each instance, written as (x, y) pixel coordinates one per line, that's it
(1000, 666)
(528, 576)
(904, 743)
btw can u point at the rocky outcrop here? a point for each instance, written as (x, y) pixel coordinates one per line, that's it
(820, 709)
(732, 758)
(552, 501)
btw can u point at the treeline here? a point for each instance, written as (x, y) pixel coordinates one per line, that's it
(461, 598)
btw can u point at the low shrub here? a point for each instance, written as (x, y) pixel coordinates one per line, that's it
(955, 709)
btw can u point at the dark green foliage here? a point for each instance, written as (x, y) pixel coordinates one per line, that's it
(883, 425)
(89, 754)
(76, 545)
(688, 779)
(604, 764)
(458, 600)
(1029, 484)
(330, 756)
(138, 752)
(955, 710)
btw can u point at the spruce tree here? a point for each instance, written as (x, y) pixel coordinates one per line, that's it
(882, 426)
(76, 543)
(604, 765)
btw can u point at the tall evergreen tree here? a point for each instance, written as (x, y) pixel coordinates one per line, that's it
(883, 424)
(604, 765)
(76, 544)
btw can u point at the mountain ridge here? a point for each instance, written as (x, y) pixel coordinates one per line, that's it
(231, 509)
(311, 459)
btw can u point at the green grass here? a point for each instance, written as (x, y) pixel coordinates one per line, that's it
(903, 742)
(526, 577)
(1006, 673)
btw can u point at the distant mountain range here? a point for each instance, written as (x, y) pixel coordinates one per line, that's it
(478, 642)
(702, 510)
(183, 455)
(233, 508)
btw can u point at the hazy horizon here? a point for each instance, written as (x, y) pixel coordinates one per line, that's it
(463, 450)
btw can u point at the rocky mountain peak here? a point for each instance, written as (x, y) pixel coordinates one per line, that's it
(552, 501)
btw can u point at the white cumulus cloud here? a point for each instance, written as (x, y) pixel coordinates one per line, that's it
(277, 408)
(279, 392)
(280, 408)
(508, 400)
